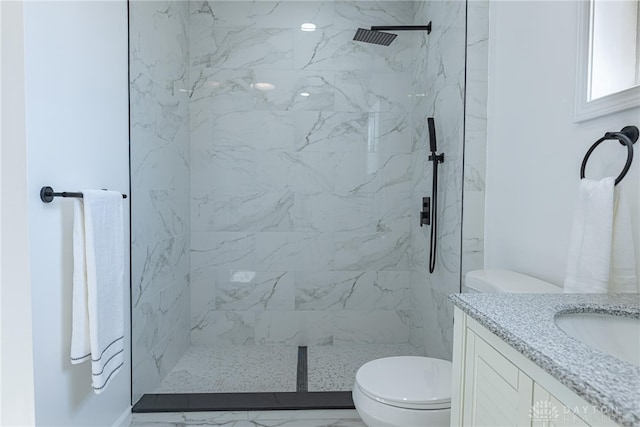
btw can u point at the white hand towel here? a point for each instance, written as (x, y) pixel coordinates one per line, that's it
(80, 346)
(98, 288)
(589, 258)
(623, 258)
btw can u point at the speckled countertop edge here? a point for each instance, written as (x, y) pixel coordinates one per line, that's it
(526, 323)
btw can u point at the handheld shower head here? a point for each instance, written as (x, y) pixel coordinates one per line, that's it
(432, 134)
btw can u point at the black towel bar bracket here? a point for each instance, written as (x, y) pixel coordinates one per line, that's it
(47, 194)
(626, 137)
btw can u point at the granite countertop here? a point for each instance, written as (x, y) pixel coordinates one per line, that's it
(526, 323)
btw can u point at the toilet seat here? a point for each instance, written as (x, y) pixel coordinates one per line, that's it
(407, 382)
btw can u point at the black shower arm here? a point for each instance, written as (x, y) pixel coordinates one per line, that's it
(403, 28)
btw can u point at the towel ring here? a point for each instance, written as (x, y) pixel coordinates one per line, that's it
(627, 137)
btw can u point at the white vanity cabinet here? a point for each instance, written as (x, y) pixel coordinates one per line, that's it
(494, 385)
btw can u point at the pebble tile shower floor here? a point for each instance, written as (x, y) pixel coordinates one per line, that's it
(233, 369)
(272, 368)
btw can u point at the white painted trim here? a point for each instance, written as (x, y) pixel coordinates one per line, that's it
(1, 36)
(18, 397)
(458, 372)
(585, 109)
(123, 420)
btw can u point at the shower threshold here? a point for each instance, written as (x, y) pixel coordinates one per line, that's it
(197, 402)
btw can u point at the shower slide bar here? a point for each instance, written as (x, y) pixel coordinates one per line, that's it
(47, 194)
(626, 137)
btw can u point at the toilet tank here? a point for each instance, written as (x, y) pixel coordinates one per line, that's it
(498, 281)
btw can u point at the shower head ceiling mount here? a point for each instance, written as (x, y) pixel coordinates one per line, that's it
(378, 34)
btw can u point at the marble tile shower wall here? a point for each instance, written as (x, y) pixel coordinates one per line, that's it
(439, 86)
(301, 146)
(475, 136)
(160, 189)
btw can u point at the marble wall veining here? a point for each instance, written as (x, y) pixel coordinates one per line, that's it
(301, 148)
(475, 136)
(160, 164)
(439, 89)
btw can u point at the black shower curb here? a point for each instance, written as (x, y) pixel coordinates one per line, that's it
(276, 401)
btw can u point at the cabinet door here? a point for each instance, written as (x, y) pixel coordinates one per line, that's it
(496, 393)
(547, 411)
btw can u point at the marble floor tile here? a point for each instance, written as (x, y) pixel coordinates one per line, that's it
(312, 418)
(334, 367)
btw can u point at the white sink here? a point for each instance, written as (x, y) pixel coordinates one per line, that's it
(617, 336)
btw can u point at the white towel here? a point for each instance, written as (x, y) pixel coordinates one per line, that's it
(98, 285)
(589, 258)
(623, 258)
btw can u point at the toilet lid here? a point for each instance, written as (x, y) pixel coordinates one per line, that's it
(407, 382)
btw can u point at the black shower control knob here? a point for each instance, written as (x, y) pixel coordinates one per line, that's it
(424, 219)
(425, 214)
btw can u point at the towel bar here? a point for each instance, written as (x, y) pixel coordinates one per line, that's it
(47, 194)
(627, 137)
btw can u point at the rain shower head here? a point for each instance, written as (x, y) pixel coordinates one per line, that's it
(376, 35)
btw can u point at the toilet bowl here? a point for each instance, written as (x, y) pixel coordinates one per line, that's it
(411, 391)
(407, 391)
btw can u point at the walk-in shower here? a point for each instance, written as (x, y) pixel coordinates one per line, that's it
(275, 178)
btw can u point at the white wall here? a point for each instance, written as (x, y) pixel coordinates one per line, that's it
(77, 137)
(16, 365)
(534, 150)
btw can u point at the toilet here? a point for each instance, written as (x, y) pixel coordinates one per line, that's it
(413, 391)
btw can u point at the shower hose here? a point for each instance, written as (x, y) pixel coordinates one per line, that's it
(434, 216)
